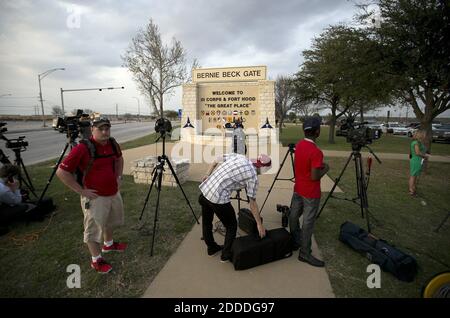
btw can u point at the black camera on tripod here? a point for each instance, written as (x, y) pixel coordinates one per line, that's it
(74, 126)
(18, 143)
(284, 210)
(357, 133)
(163, 126)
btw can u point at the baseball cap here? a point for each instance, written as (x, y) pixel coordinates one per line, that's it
(262, 161)
(101, 121)
(312, 123)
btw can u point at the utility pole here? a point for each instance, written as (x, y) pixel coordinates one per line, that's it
(117, 111)
(40, 77)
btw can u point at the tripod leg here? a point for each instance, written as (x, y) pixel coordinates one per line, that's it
(158, 187)
(335, 185)
(359, 182)
(22, 180)
(30, 184)
(53, 173)
(148, 193)
(293, 164)
(362, 193)
(181, 188)
(275, 179)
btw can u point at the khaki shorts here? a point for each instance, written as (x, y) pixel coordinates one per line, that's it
(103, 213)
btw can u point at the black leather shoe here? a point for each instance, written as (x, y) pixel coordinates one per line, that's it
(311, 260)
(214, 250)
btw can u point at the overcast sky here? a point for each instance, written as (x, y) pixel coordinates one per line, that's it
(87, 38)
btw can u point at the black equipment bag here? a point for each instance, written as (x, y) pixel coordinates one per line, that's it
(250, 251)
(389, 258)
(247, 222)
(40, 210)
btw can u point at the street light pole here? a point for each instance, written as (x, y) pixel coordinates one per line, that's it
(40, 77)
(139, 108)
(84, 89)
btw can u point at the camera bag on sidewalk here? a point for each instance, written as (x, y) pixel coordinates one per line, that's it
(250, 251)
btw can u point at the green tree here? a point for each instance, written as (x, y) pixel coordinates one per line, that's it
(284, 98)
(171, 114)
(414, 41)
(340, 72)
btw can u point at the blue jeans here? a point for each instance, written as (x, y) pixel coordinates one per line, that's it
(308, 208)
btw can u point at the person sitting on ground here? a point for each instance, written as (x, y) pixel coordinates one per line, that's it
(12, 207)
(417, 155)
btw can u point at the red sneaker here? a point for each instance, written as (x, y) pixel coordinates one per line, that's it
(116, 247)
(101, 266)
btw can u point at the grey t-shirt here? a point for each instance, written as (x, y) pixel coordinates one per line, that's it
(7, 196)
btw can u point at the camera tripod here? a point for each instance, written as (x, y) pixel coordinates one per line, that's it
(291, 150)
(19, 163)
(361, 184)
(71, 136)
(157, 174)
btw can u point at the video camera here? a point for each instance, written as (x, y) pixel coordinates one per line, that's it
(75, 125)
(284, 210)
(357, 133)
(17, 143)
(163, 126)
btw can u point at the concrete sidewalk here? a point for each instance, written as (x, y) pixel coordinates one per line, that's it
(190, 272)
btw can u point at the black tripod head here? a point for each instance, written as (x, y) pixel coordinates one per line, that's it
(291, 148)
(163, 126)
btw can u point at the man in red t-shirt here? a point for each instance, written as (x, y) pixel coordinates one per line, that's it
(309, 169)
(100, 165)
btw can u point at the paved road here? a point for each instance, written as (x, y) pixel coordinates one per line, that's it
(47, 143)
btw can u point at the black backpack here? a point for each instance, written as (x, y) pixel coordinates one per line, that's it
(79, 175)
(389, 258)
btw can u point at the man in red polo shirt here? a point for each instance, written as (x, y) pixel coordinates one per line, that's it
(94, 169)
(309, 169)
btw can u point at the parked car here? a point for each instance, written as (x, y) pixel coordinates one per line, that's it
(387, 128)
(442, 133)
(398, 129)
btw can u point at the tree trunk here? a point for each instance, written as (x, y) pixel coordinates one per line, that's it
(361, 112)
(332, 125)
(161, 108)
(426, 125)
(280, 122)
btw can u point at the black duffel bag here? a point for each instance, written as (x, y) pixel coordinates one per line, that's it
(389, 258)
(250, 251)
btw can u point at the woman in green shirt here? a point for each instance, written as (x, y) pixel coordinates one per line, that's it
(417, 153)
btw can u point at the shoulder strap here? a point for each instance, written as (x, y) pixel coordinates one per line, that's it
(115, 146)
(92, 156)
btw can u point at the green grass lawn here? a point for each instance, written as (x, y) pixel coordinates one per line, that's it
(387, 143)
(403, 221)
(37, 267)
